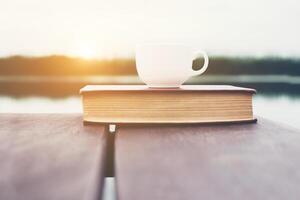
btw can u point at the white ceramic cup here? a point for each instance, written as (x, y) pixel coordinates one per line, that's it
(167, 66)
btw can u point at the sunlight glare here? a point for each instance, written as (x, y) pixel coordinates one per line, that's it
(86, 51)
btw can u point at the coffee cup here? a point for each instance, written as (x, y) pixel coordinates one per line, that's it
(167, 65)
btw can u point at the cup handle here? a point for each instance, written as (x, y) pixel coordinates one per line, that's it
(197, 54)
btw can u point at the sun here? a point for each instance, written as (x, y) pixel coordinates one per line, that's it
(86, 52)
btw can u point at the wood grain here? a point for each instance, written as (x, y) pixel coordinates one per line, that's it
(50, 156)
(246, 161)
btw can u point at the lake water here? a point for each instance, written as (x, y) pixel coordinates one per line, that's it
(283, 108)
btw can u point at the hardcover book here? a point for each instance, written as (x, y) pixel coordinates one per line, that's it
(187, 104)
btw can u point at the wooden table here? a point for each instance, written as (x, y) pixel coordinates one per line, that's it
(50, 156)
(53, 156)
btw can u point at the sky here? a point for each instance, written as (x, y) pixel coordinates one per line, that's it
(111, 28)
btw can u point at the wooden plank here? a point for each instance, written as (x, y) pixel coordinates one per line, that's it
(50, 156)
(249, 161)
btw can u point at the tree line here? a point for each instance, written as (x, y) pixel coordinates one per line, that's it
(74, 66)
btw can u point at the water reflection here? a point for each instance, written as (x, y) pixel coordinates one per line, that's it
(39, 104)
(58, 87)
(283, 109)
